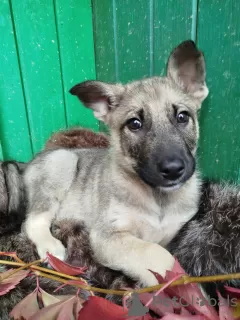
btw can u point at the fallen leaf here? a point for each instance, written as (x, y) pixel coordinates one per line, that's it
(190, 295)
(159, 278)
(26, 308)
(96, 308)
(63, 310)
(225, 312)
(161, 304)
(64, 267)
(69, 283)
(8, 254)
(9, 283)
(232, 291)
(180, 317)
(47, 298)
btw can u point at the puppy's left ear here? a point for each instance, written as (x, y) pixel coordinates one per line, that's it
(99, 96)
(186, 67)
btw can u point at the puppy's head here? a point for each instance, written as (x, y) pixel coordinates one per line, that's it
(153, 122)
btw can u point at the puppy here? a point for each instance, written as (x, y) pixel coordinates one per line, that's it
(136, 195)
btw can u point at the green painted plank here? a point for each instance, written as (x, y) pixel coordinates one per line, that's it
(39, 59)
(14, 133)
(132, 20)
(75, 34)
(104, 40)
(120, 28)
(219, 38)
(133, 38)
(172, 24)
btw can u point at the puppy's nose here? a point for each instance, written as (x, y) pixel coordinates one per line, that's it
(171, 169)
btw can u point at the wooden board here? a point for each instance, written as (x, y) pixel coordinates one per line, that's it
(76, 48)
(134, 38)
(39, 61)
(14, 129)
(219, 38)
(172, 23)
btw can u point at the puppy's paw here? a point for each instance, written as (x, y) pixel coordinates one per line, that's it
(157, 259)
(55, 247)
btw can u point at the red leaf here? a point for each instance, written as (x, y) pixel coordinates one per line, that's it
(190, 295)
(26, 308)
(69, 283)
(97, 308)
(10, 283)
(64, 267)
(184, 312)
(47, 298)
(225, 313)
(63, 310)
(161, 303)
(146, 317)
(233, 291)
(180, 317)
(8, 254)
(192, 298)
(159, 278)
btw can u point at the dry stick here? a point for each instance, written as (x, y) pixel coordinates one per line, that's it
(26, 265)
(33, 267)
(50, 274)
(40, 269)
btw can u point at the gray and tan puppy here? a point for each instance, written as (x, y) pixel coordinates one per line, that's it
(135, 196)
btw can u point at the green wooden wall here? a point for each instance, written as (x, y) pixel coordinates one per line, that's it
(49, 45)
(46, 47)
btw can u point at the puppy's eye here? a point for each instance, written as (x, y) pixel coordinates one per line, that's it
(183, 117)
(134, 124)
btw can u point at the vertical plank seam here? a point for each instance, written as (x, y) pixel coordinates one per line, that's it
(114, 7)
(60, 64)
(194, 20)
(94, 30)
(21, 76)
(151, 35)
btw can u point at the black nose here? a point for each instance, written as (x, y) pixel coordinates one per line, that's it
(171, 169)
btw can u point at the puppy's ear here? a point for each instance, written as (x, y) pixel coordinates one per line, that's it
(186, 67)
(99, 96)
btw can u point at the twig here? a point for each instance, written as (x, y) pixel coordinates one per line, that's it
(57, 276)
(26, 265)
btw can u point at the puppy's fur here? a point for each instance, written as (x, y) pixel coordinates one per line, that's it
(134, 196)
(73, 236)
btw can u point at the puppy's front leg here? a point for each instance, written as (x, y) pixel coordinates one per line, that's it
(122, 251)
(37, 227)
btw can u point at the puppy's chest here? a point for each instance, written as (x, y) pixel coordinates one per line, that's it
(162, 228)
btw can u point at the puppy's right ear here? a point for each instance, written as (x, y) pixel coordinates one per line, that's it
(186, 67)
(99, 96)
